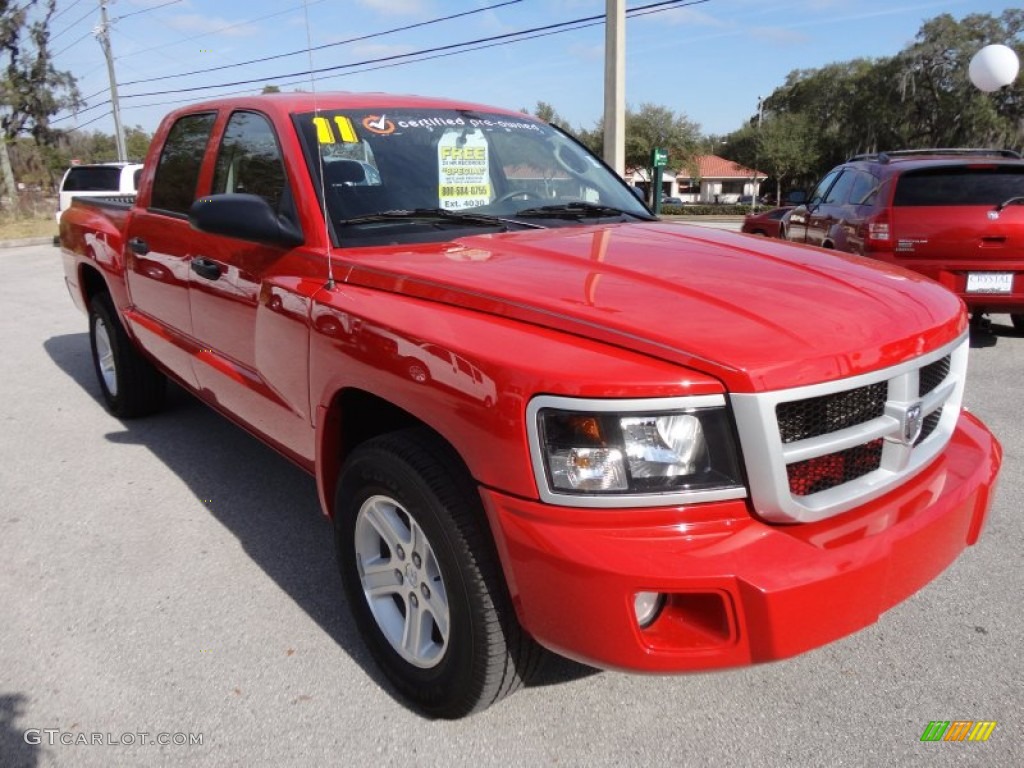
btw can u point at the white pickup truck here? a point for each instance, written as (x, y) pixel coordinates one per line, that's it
(97, 180)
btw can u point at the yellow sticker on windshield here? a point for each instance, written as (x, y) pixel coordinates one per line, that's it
(346, 130)
(324, 134)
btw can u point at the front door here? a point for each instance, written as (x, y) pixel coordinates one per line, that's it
(250, 301)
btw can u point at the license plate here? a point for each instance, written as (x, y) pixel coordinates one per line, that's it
(989, 282)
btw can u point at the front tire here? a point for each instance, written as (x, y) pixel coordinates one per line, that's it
(130, 385)
(1018, 322)
(422, 577)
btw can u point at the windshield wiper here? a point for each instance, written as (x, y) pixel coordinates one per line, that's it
(461, 217)
(1011, 201)
(579, 209)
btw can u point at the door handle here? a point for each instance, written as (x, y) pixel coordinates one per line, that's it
(206, 268)
(139, 246)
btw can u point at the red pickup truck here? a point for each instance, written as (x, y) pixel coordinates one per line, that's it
(537, 416)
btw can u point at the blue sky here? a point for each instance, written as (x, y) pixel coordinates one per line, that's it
(710, 60)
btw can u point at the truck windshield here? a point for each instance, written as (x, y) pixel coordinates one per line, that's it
(489, 165)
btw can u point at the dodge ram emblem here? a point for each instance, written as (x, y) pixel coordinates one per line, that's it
(913, 421)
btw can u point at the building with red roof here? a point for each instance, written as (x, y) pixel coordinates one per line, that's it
(716, 180)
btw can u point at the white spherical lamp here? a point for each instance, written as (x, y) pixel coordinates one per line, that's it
(993, 67)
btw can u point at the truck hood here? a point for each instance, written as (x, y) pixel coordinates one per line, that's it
(758, 314)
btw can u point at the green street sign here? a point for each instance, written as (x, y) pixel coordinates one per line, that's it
(659, 157)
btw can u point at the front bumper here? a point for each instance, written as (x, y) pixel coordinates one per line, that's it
(739, 591)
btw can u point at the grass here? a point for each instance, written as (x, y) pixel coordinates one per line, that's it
(16, 228)
(31, 216)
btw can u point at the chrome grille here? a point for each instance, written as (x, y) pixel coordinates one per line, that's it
(931, 421)
(819, 450)
(932, 375)
(802, 419)
(824, 472)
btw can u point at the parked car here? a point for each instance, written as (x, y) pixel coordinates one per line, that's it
(769, 223)
(671, 201)
(747, 200)
(955, 215)
(97, 180)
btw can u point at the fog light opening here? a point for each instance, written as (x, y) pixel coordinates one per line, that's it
(647, 606)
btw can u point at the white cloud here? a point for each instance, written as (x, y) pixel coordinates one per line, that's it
(688, 16)
(196, 23)
(152, 3)
(396, 7)
(778, 35)
(587, 52)
(379, 50)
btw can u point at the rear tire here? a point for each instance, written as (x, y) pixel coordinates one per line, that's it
(1018, 322)
(130, 384)
(423, 579)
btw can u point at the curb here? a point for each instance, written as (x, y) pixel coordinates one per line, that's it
(27, 241)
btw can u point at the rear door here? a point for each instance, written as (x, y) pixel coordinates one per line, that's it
(964, 225)
(157, 243)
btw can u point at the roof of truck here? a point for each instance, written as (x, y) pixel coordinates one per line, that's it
(329, 100)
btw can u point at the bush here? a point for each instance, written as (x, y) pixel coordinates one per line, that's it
(708, 209)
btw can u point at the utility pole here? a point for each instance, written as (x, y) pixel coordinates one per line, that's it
(615, 85)
(102, 33)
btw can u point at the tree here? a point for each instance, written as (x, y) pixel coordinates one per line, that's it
(656, 126)
(919, 98)
(941, 106)
(549, 114)
(783, 146)
(31, 89)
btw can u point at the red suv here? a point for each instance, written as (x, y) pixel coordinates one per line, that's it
(955, 215)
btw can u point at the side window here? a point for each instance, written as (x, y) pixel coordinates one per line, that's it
(863, 188)
(840, 191)
(249, 159)
(177, 172)
(819, 192)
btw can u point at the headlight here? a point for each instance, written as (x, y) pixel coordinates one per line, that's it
(633, 452)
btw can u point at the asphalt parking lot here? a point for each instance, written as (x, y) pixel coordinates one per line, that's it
(173, 576)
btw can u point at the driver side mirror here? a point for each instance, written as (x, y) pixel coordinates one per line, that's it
(247, 217)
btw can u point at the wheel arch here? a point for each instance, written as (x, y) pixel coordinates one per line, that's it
(91, 282)
(352, 417)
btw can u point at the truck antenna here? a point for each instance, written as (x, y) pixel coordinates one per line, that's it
(319, 153)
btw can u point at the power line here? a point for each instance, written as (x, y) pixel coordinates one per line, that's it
(146, 10)
(60, 13)
(574, 23)
(326, 45)
(589, 22)
(293, 53)
(94, 120)
(72, 24)
(72, 45)
(150, 49)
(217, 30)
(386, 62)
